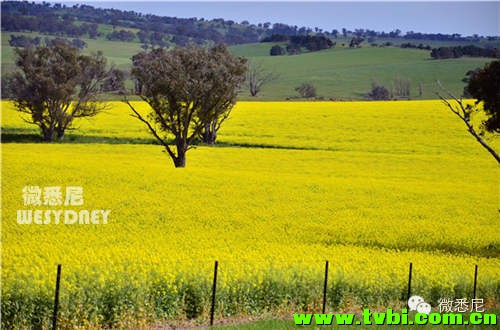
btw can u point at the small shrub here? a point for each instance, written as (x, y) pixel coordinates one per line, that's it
(378, 92)
(277, 50)
(306, 90)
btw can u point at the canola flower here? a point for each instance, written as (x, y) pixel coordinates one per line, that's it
(369, 186)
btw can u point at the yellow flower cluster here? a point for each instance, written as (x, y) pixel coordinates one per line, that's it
(369, 186)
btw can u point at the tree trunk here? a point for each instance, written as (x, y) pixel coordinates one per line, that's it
(253, 91)
(60, 134)
(209, 133)
(48, 134)
(47, 137)
(180, 160)
(483, 143)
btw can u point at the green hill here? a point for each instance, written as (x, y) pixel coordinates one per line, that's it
(343, 73)
(339, 73)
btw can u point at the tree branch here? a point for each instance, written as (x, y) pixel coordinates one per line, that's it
(465, 117)
(151, 128)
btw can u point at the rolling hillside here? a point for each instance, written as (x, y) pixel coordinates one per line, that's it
(340, 73)
(345, 74)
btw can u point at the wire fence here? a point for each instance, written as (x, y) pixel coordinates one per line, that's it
(214, 290)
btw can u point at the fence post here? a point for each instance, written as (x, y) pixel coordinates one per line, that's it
(325, 286)
(409, 281)
(56, 298)
(214, 288)
(475, 281)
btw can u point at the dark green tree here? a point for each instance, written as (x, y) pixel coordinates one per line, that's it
(229, 75)
(277, 50)
(378, 92)
(190, 91)
(56, 84)
(484, 86)
(356, 42)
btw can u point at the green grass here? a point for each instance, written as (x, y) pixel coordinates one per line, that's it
(117, 52)
(254, 50)
(343, 73)
(339, 73)
(289, 325)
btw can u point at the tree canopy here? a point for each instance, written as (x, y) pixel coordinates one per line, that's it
(191, 92)
(484, 86)
(55, 85)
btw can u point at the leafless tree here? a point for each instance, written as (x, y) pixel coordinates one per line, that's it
(401, 88)
(464, 112)
(257, 76)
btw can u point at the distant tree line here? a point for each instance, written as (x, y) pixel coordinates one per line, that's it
(419, 46)
(50, 24)
(155, 30)
(459, 51)
(121, 35)
(22, 41)
(445, 37)
(296, 44)
(276, 38)
(367, 33)
(84, 20)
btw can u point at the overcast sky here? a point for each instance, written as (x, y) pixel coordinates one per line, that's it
(466, 18)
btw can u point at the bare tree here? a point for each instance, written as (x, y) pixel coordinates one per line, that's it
(464, 112)
(55, 85)
(189, 90)
(257, 76)
(401, 88)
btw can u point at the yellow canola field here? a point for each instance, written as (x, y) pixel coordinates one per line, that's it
(369, 186)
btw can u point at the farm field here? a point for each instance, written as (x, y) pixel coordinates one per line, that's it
(339, 73)
(347, 74)
(369, 186)
(118, 53)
